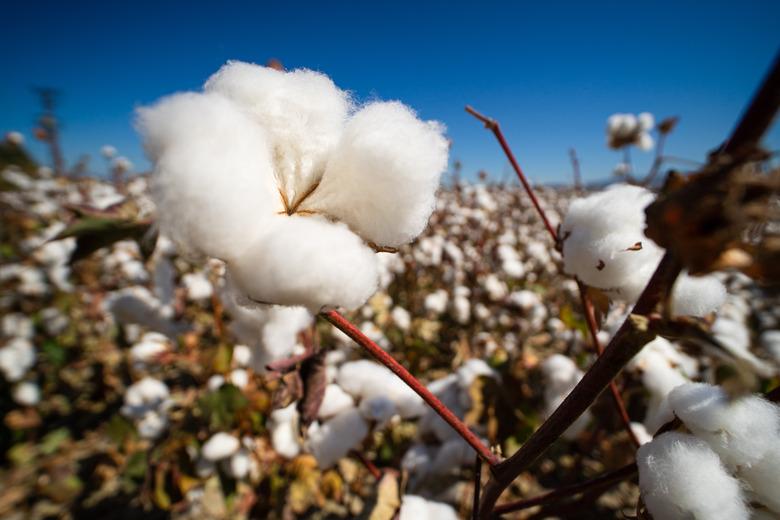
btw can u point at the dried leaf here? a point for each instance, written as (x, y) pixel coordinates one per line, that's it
(388, 498)
(668, 124)
(314, 378)
(93, 233)
(290, 389)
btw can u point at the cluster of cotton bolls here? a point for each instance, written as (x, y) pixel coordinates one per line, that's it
(280, 175)
(730, 458)
(629, 129)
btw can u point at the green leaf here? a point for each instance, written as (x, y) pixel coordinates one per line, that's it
(135, 468)
(54, 353)
(53, 440)
(222, 406)
(119, 429)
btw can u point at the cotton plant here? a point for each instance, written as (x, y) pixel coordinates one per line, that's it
(629, 129)
(728, 462)
(284, 178)
(605, 247)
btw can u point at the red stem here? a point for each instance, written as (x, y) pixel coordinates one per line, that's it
(344, 325)
(493, 126)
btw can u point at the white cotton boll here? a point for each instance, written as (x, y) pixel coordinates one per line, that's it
(662, 349)
(242, 355)
(16, 358)
(645, 142)
(382, 176)
(15, 138)
(17, 325)
(681, 478)
(54, 321)
(220, 446)
(335, 437)
(365, 379)
(283, 426)
(659, 377)
(307, 261)
(495, 288)
(149, 348)
(239, 464)
(198, 286)
(27, 394)
(215, 382)
(734, 336)
(436, 302)
(417, 508)
(471, 370)
(145, 395)
(334, 402)
(108, 151)
(151, 425)
(513, 268)
(462, 309)
(697, 295)
(377, 408)
(524, 299)
(212, 172)
(401, 318)
(646, 121)
(374, 333)
(451, 456)
(122, 164)
(763, 476)
(741, 431)
(641, 433)
(136, 305)
(302, 111)
(561, 376)
(239, 377)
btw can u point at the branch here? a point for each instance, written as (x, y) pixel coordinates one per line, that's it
(341, 323)
(602, 481)
(493, 126)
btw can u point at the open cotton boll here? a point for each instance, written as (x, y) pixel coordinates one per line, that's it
(198, 286)
(734, 336)
(451, 456)
(213, 182)
(283, 426)
(335, 437)
(417, 508)
(365, 379)
(27, 394)
(152, 344)
(401, 318)
(144, 395)
(436, 302)
(16, 358)
(561, 376)
(334, 401)
(741, 431)
(382, 176)
(377, 408)
(682, 478)
(302, 111)
(239, 464)
(763, 476)
(242, 355)
(307, 261)
(220, 446)
(646, 121)
(697, 295)
(152, 424)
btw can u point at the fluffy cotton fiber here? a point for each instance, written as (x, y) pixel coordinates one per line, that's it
(335, 437)
(682, 478)
(260, 168)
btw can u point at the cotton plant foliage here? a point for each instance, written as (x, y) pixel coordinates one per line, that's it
(604, 245)
(286, 179)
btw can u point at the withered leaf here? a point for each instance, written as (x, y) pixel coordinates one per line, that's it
(290, 389)
(314, 378)
(388, 498)
(93, 233)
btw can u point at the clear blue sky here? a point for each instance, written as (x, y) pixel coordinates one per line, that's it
(550, 73)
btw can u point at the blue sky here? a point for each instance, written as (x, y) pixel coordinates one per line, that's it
(550, 73)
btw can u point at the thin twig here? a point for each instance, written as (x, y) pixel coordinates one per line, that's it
(575, 166)
(602, 481)
(344, 325)
(477, 487)
(493, 126)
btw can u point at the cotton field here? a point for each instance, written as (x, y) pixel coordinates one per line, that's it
(168, 346)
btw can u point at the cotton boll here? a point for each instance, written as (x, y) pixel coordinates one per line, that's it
(108, 151)
(145, 395)
(382, 176)
(646, 121)
(462, 309)
(334, 402)
(697, 296)
(335, 437)
(27, 394)
(645, 142)
(242, 355)
(239, 377)
(763, 476)
(302, 111)
(495, 288)
(17, 325)
(307, 261)
(220, 446)
(436, 302)
(734, 336)
(377, 408)
(215, 382)
(239, 464)
(417, 508)
(365, 379)
(151, 425)
(16, 358)
(212, 172)
(198, 286)
(741, 431)
(15, 138)
(681, 478)
(451, 456)
(283, 426)
(561, 376)
(401, 318)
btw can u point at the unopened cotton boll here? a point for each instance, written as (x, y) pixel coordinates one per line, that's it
(383, 174)
(27, 394)
(681, 478)
(335, 437)
(220, 446)
(307, 261)
(417, 508)
(212, 172)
